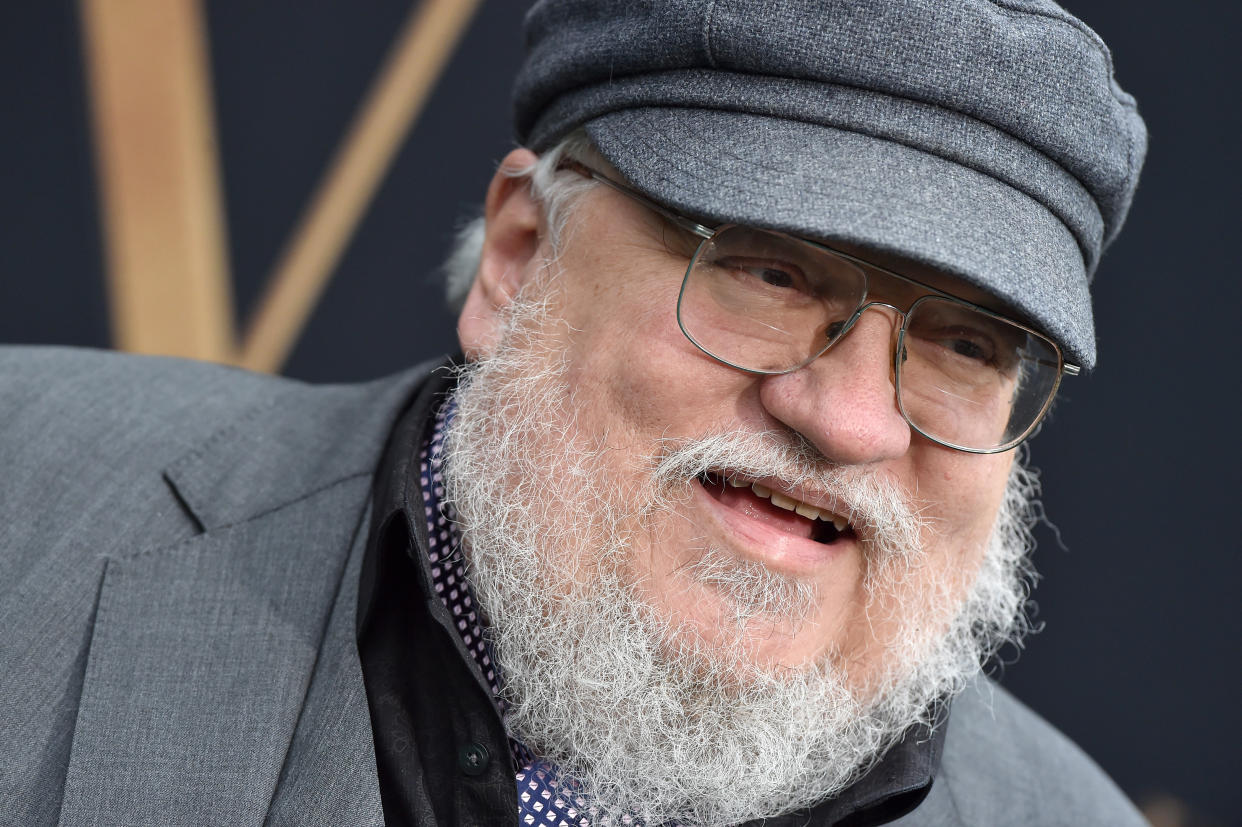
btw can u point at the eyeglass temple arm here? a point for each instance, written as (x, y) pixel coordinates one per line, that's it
(1066, 368)
(680, 220)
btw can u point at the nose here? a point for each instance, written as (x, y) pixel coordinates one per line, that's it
(845, 402)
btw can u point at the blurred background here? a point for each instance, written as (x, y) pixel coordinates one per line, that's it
(274, 185)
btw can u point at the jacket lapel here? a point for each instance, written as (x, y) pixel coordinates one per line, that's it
(203, 652)
(329, 777)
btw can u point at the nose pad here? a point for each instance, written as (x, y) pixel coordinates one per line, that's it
(837, 331)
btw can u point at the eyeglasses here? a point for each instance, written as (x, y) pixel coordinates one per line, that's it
(768, 303)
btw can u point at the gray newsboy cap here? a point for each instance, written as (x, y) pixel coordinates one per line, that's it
(986, 138)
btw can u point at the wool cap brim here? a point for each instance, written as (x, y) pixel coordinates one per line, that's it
(836, 185)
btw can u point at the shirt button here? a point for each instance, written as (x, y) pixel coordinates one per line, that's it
(473, 759)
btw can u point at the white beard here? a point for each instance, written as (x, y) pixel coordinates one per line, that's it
(653, 721)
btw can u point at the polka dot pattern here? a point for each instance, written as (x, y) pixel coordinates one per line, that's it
(448, 566)
(544, 800)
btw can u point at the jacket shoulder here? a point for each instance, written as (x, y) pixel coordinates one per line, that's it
(1004, 764)
(92, 441)
(86, 436)
(103, 396)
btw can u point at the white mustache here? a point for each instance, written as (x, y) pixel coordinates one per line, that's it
(879, 508)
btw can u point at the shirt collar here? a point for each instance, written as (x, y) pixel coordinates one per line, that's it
(395, 496)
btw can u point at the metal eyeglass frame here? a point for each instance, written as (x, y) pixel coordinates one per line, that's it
(706, 233)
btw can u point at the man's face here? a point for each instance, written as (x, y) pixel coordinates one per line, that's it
(661, 632)
(640, 389)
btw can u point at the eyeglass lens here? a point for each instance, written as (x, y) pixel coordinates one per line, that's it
(770, 303)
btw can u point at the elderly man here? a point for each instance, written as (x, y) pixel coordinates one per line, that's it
(716, 521)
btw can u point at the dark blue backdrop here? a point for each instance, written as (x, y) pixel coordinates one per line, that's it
(1141, 460)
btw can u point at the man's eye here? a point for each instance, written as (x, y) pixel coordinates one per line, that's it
(969, 349)
(969, 345)
(959, 343)
(772, 273)
(774, 277)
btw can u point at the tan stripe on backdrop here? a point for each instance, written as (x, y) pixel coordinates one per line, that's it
(163, 221)
(397, 96)
(163, 218)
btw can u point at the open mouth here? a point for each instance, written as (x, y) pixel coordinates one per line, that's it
(776, 509)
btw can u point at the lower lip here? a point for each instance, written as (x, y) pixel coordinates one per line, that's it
(776, 549)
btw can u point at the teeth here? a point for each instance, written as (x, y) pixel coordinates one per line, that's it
(781, 501)
(790, 504)
(808, 511)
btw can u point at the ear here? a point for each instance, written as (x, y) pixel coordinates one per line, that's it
(513, 231)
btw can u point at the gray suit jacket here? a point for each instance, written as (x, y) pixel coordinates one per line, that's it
(179, 556)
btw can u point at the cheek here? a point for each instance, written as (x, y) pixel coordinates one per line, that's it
(964, 495)
(632, 368)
